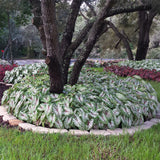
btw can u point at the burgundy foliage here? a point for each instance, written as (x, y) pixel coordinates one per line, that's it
(4, 68)
(124, 71)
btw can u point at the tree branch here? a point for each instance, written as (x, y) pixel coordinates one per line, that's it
(86, 18)
(68, 33)
(130, 9)
(90, 7)
(123, 38)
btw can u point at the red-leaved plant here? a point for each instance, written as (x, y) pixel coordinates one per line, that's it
(4, 68)
(127, 71)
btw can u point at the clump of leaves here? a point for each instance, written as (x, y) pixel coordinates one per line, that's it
(3, 62)
(18, 73)
(5, 68)
(98, 101)
(151, 64)
(127, 71)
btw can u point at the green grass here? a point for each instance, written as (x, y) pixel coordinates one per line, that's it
(16, 145)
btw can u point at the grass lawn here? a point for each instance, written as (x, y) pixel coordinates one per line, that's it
(17, 145)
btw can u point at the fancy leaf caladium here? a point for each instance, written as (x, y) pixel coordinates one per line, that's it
(108, 102)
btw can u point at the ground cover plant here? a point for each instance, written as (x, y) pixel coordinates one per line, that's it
(18, 73)
(14, 144)
(125, 71)
(99, 101)
(4, 69)
(3, 62)
(150, 64)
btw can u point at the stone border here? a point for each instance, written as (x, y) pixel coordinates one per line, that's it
(14, 122)
(7, 84)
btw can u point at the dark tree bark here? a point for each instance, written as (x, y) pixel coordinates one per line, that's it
(124, 39)
(53, 59)
(145, 22)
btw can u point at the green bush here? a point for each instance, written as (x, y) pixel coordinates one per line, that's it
(98, 101)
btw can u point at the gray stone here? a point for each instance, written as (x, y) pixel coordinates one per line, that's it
(8, 117)
(26, 126)
(130, 131)
(54, 130)
(78, 132)
(38, 129)
(145, 127)
(116, 131)
(9, 84)
(149, 123)
(155, 120)
(3, 111)
(100, 132)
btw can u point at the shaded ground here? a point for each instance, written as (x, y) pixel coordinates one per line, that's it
(3, 87)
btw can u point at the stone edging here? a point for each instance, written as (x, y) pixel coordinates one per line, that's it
(30, 127)
(7, 84)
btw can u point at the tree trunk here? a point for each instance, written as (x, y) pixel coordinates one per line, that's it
(145, 22)
(10, 40)
(53, 59)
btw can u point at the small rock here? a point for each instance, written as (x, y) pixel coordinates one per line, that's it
(100, 132)
(26, 126)
(78, 132)
(14, 122)
(8, 117)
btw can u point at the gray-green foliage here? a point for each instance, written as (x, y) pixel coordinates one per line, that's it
(98, 101)
(18, 73)
(3, 62)
(145, 64)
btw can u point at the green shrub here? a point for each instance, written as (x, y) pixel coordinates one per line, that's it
(98, 101)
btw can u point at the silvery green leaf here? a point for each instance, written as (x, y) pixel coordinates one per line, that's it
(48, 109)
(51, 119)
(58, 123)
(68, 122)
(67, 111)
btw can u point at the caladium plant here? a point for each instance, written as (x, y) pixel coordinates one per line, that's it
(98, 101)
(18, 73)
(151, 64)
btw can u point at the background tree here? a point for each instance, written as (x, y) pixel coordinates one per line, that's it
(13, 12)
(145, 22)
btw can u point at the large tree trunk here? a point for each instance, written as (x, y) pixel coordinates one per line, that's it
(145, 22)
(53, 59)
